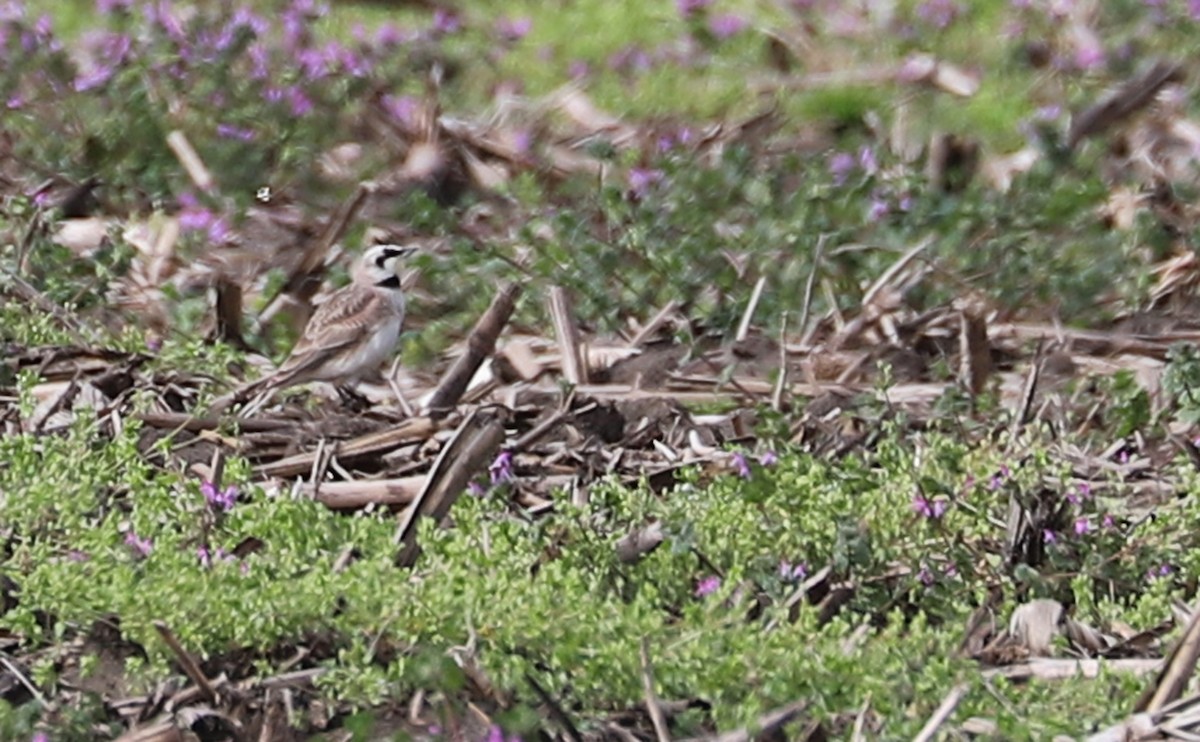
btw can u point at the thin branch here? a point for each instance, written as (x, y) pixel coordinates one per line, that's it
(556, 710)
(652, 706)
(465, 455)
(574, 362)
(187, 156)
(29, 686)
(190, 668)
(302, 285)
(942, 713)
(748, 315)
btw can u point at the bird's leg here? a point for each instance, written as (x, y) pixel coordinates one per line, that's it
(351, 399)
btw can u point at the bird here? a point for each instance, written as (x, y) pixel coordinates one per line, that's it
(351, 333)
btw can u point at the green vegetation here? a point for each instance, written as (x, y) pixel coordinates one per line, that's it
(113, 539)
(912, 523)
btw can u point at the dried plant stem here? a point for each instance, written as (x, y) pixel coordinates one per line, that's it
(574, 364)
(187, 156)
(480, 344)
(190, 668)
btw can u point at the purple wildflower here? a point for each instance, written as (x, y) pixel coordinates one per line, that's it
(295, 30)
(670, 140)
(878, 209)
(353, 64)
(248, 18)
(1082, 491)
(496, 734)
(220, 41)
(631, 58)
(1082, 525)
(707, 586)
(219, 232)
(740, 464)
(389, 34)
(312, 63)
(12, 11)
(768, 458)
(641, 180)
(445, 21)
(689, 8)
(522, 141)
(220, 500)
(300, 103)
(94, 78)
(1049, 537)
(402, 108)
(501, 469)
(867, 161)
(926, 508)
(726, 25)
(1159, 572)
(229, 131)
(578, 69)
(140, 546)
(208, 558)
(1108, 521)
(15, 102)
(194, 219)
(1048, 113)
(789, 572)
(113, 6)
(925, 575)
(514, 29)
(938, 13)
(476, 489)
(1194, 9)
(841, 164)
(160, 14)
(39, 737)
(1089, 56)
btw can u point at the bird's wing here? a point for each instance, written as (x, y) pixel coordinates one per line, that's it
(342, 322)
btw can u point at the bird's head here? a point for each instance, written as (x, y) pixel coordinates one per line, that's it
(381, 264)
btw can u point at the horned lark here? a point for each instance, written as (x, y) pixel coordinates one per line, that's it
(351, 333)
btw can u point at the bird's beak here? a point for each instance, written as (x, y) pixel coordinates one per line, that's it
(400, 251)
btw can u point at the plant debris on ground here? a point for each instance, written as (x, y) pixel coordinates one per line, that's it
(800, 370)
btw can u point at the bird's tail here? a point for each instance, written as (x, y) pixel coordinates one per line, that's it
(244, 393)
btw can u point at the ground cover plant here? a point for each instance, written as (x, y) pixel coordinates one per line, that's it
(830, 370)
